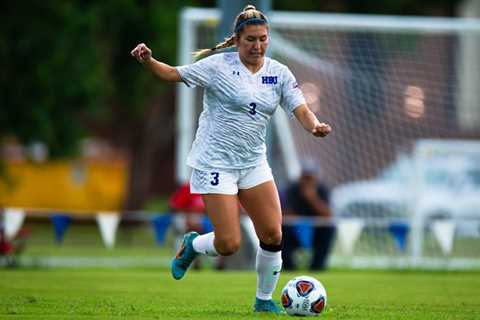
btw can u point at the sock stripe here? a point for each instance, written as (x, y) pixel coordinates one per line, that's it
(272, 247)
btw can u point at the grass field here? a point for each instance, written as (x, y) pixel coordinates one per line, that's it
(152, 294)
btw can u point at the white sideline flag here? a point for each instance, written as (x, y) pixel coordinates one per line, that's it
(349, 231)
(13, 221)
(108, 223)
(444, 232)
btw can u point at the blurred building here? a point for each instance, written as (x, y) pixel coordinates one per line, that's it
(95, 181)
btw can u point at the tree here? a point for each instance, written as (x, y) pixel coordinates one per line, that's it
(52, 77)
(67, 73)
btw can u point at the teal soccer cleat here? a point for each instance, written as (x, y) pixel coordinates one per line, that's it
(184, 257)
(267, 306)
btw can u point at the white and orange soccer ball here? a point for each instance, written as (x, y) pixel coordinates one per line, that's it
(304, 296)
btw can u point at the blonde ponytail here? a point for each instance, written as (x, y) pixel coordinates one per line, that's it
(227, 43)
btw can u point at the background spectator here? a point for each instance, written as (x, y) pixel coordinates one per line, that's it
(308, 197)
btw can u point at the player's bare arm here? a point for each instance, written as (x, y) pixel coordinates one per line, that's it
(310, 122)
(165, 72)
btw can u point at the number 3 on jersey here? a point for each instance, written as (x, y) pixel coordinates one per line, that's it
(214, 181)
(253, 107)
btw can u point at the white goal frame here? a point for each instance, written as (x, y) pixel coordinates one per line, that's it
(191, 18)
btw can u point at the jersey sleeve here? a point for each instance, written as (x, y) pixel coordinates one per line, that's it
(201, 73)
(291, 96)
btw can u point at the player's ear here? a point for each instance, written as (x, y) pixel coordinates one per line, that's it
(236, 39)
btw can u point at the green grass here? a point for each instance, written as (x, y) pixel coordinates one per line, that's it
(152, 294)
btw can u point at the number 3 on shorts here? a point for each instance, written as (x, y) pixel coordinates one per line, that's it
(214, 181)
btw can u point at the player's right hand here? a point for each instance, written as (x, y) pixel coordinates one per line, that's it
(321, 129)
(142, 53)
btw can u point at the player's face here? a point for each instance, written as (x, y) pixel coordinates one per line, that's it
(252, 44)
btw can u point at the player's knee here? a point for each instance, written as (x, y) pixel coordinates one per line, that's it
(227, 246)
(273, 237)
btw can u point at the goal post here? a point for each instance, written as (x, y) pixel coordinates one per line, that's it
(384, 83)
(193, 18)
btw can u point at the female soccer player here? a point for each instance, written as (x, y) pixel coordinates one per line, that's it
(228, 157)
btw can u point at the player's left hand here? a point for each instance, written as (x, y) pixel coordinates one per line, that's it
(321, 129)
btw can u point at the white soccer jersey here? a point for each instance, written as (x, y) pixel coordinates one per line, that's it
(237, 106)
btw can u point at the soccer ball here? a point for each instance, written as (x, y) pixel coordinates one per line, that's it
(304, 296)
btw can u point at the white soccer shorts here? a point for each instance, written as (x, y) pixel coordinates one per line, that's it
(225, 181)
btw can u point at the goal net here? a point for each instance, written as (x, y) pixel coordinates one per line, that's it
(401, 93)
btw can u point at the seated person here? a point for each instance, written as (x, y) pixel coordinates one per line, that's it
(191, 208)
(308, 197)
(189, 211)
